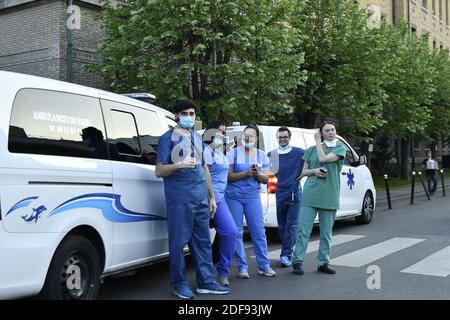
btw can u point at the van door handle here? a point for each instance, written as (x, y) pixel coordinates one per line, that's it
(344, 173)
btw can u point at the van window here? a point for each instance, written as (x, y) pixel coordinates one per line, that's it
(349, 157)
(149, 128)
(123, 137)
(56, 123)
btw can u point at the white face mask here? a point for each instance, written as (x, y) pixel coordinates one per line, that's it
(284, 149)
(330, 143)
(217, 141)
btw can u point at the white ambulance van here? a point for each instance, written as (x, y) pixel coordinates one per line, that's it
(358, 194)
(79, 198)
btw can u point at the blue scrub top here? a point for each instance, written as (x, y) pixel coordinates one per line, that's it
(184, 185)
(287, 167)
(248, 188)
(218, 168)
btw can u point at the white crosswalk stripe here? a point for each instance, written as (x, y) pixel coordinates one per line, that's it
(438, 264)
(314, 245)
(375, 252)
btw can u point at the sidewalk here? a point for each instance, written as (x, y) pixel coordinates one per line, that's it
(405, 191)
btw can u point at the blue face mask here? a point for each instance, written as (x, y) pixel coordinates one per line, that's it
(187, 122)
(249, 145)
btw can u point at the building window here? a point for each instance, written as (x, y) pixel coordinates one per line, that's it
(433, 7)
(425, 4)
(434, 44)
(413, 30)
(440, 10)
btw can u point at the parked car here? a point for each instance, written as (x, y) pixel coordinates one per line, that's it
(78, 191)
(358, 194)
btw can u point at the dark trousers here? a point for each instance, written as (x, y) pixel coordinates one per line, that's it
(287, 217)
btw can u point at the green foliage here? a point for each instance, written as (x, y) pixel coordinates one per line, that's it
(280, 62)
(235, 59)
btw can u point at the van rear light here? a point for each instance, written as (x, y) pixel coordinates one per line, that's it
(272, 184)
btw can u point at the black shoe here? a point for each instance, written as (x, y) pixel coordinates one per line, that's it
(298, 269)
(325, 269)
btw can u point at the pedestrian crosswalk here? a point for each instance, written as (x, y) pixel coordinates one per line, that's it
(373, 253)
(436, 264)
(314, 245)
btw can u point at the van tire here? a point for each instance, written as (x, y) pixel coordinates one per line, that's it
(366, 210)
(80, 256)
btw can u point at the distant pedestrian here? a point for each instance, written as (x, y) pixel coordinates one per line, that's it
(431, 166)
(287, 165)
(323, 164)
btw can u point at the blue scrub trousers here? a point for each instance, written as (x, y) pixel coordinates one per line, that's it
(188, 223)
(226, 229)
(287, 218)
(255, 223)
(305, 225)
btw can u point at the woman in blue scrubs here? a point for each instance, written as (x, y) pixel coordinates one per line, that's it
(223, 220)
(246, 173)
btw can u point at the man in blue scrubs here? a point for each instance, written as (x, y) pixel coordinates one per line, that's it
(287, 165)
(190, 203)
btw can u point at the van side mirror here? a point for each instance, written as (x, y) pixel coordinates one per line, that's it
(362, 159)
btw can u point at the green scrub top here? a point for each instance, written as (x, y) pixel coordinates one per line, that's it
(323, 193)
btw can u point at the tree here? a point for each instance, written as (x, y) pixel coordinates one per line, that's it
(235, 59)
(344, 80)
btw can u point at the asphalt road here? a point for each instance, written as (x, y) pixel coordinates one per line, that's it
(403, 254)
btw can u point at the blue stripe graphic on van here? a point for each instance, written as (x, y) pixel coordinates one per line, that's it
(21, 204)
(111, 207)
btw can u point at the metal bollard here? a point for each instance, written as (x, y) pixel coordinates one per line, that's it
(387, 191)
(442, 180)
(413, 181)
(423, 184)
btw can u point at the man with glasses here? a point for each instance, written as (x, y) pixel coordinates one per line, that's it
(287, 165)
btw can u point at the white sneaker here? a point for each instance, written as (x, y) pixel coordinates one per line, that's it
(267, 272)
(223, 281)
(243, 274)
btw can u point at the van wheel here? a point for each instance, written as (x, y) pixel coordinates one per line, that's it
(74, 272)
(367, 209)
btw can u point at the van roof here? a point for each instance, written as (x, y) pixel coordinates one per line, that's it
(15, 81)
(240, 128)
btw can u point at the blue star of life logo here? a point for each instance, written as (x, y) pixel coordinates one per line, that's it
(350, 176)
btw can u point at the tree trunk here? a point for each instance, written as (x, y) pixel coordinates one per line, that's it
(404, 159)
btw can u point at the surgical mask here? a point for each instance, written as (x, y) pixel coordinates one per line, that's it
(284, 149)
(247, 145)
(217, 141)
(187, 122)
(330, 143)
